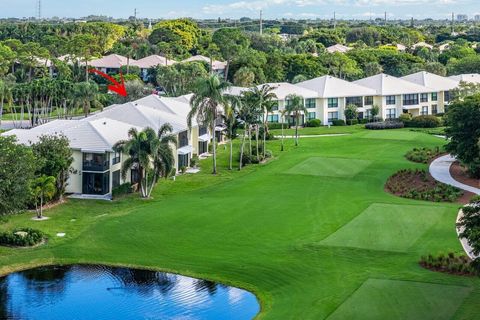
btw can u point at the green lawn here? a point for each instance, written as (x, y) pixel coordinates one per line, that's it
(312, 233)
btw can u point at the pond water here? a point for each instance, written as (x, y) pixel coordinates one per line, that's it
(99, 292)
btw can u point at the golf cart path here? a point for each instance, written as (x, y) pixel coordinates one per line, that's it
(440, 171)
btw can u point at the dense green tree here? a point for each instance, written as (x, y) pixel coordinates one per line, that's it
(463, 132)
(469, 64)
(43, 189)
(230, 42)
(181, 35)
(17, 170)
(351, 112)
(244, 77)
(308, 65)
(180, 78)
(295, 108)
(55, 159)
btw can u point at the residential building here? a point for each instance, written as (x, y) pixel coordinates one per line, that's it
(334, 94)
(338, 48)
(422, 45)
(151, 62)
(96, 166)
(439, 99)
(395, 96)
(462, 17)
(218, 67)
(468, 78)
(111, 63)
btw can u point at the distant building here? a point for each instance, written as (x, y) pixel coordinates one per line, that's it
(462, 17)
(338, 48)
(477, 17)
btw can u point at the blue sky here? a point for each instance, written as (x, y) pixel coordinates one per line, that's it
(357, 9)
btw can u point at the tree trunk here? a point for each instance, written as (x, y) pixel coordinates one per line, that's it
(231, 151)
(214, 149)
(256, 140)
(282, 138)
(242, 148)
(41, 207)
(265, 132)
(250, 139)
(86, 70)
(296, 130)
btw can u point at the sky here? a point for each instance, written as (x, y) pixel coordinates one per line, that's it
(307, 9)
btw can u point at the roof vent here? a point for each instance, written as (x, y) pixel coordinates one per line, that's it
(105, 123)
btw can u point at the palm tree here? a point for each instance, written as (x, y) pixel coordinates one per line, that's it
(264, 98)
(86, 95)
(164, 159)
(295, 107)
(247, 115)
(283, 113)
(207, 97)
(6, 88)
(229, 118)
(43, 189)
(147, 151)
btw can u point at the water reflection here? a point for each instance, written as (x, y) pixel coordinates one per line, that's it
(99, 292)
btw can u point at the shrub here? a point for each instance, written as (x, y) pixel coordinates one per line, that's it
(314, 123)
(353, 122)
(404, 117)
(422, 155)
(277, 126)
(363, 121)
(194, 161)
(183, 169)
(122, 190)
(384, 125)
(424, 122)
(450, 263)
(23, 237)
(338, 122)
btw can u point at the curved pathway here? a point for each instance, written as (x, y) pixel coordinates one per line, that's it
(440, 171)
(466, 247)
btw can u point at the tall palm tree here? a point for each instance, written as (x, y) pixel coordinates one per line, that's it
(43, 189)
(147, 151)
(282, 114)
(207, 98)
(264, 98)
(230, 119)
(6, 88)
(247, 115)
(295, 107)
(86, 95)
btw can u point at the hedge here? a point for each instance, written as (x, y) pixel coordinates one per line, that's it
(13, 238)
(384, 125)
(423, 122)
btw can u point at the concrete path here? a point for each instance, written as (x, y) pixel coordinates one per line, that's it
(315, 135)
(440, 171)
(466, 247)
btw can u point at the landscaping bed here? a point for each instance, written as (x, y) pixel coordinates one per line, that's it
(450, 263)
(459, 173)
(22, 237)
(423, 155)
(418, 184)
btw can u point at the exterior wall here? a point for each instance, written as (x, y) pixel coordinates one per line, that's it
(74, 182)
(194, 139)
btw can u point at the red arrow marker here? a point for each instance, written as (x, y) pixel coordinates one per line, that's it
(119, 88)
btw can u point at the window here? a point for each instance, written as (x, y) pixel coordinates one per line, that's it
(358, 101)
(311, 115)
(447, 96)
(116, 158)
(434, 109)
(368, 113)
(96, 162)
(410, 99)
(391, 100)
(202, 131)
(333, 102)
(183, 139)
(368, 101)
(182, 160)
(434, 96)
(288, 103)
(95, 183)
(332, 116)
(391, 113)
(272, 118)
(116, 179)
(275, 106)
(424, 111)
(310, 103)
(424, 97)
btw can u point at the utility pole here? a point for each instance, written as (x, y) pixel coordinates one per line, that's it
(135, 14)
(385, 17)
(261, 22)
(39, 9)
(334, 20)
(453, 23)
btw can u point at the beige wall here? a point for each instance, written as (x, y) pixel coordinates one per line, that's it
(74, 182)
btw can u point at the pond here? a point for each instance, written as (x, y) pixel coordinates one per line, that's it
(99, 292)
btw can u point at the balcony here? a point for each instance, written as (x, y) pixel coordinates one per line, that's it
(95, 162)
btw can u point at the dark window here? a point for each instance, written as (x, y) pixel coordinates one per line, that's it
(424, 97)
(434, 109)
(183, 139)
(115, 179)
(333, 102)
(182, 160)
(447, 96)
(96, 162)
(410, 99)
(332, 116)
(424, 111)
(202, 147)
(202, 131)
(311, 115)
(310, 103)
(391, 100)
(434, 96)
(391, 113)
(116, 158)
(369, 101)
(358, 101)
(96, 183)
(272, 118)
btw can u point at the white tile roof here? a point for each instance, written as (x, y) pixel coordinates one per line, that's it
(338, 48)
(469, 78)
(432, 80)
(332, 87)
(283, 89)
(422, 44)
(113, 61)
(235, 91)
(386, 85)
(153, 61)
(217, 65)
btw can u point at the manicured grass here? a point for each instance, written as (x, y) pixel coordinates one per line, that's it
(394, 134)
(386, 299)
(262, 228)
(386, 227)
(320, 130)
(330, 167)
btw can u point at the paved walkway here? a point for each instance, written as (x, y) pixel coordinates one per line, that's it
(440, 171)
(466, 247)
